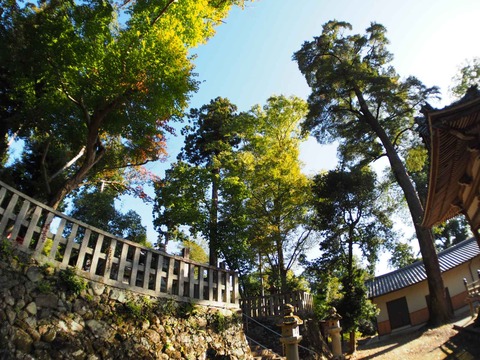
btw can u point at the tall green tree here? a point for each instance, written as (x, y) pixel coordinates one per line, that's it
(349, 216)
(401, 255)
(212, 136)
(209, 137)
(101, 77)
(278, 203)
(262, 203)
(358, 99)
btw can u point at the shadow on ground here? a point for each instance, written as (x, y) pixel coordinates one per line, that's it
(459, 340)
(463, 346)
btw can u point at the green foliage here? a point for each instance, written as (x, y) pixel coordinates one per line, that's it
(354, 306)
(6, 249)
(115, 75)
(189, 194)
(220, 322)
(72, 281)
(97, 208)
(140, 308)
(468, 75)
(187, 309)
(168, 307)
(350, 75)
(358, 100)
(416, 158)
(48, 269)
(347, 213)
(197, 252)
(178, 203)
(45, 286)
(401, 255)
(238, 184)
(451, 232)
(275, 197)
(47, 247)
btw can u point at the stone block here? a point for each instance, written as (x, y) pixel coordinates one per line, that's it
(34, 274)
(97, 288)
(32, 308)
(47, 301)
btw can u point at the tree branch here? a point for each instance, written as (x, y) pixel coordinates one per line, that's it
(44, 169)
(68, 164)
(79, 103)
(163, 11)
(399, 134)
(296, 251)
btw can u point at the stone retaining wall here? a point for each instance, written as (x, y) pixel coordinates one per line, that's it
(44, 315)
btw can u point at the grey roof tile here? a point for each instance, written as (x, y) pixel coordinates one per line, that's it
(415, 273)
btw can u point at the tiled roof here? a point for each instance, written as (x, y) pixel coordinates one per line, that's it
(415, 273)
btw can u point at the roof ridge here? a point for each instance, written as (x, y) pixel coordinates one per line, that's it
(415, 272)
(439, 254)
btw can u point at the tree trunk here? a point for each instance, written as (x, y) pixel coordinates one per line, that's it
(438, 305)
(71, 184)
(213, 254)
(350, 253)
(282, 272)
(94, 151)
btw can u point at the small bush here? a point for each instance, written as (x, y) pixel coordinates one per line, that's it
(6, 249)
(168, 307)
(140, 308)
(187, 309)
(44, 287)
(134, 308)
(72, 281)
(220, 321)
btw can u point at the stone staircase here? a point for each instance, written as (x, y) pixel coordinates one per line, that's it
(260, 353)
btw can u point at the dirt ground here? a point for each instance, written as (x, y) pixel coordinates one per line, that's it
(458, 340)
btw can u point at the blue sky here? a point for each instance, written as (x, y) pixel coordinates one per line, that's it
(250, 58)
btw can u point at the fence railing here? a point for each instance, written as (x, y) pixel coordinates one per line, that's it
(272, 305)
(50, 236)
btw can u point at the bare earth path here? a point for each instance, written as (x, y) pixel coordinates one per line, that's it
(444, 342)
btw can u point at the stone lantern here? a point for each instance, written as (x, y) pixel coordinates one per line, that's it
(333, 329)
(290, 332)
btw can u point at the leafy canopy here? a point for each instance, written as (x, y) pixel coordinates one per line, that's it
(352, 82)
(100, 77)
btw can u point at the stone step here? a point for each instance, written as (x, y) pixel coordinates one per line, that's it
(260, 353)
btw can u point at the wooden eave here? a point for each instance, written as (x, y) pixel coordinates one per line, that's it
(454, 179)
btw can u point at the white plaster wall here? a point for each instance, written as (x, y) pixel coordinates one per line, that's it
(415, 294)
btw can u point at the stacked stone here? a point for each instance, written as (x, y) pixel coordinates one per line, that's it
(55, 324)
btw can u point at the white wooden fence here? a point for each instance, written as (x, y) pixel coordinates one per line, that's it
(272, 305)
(50, 236)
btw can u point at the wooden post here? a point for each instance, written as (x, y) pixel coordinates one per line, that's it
(19, 220)
(8, 213)
(147, 270)
(96, 254)
(57, 238)
(159, 274)
(83, 249)
(109, 258)
(31, 227)
(122, 263)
